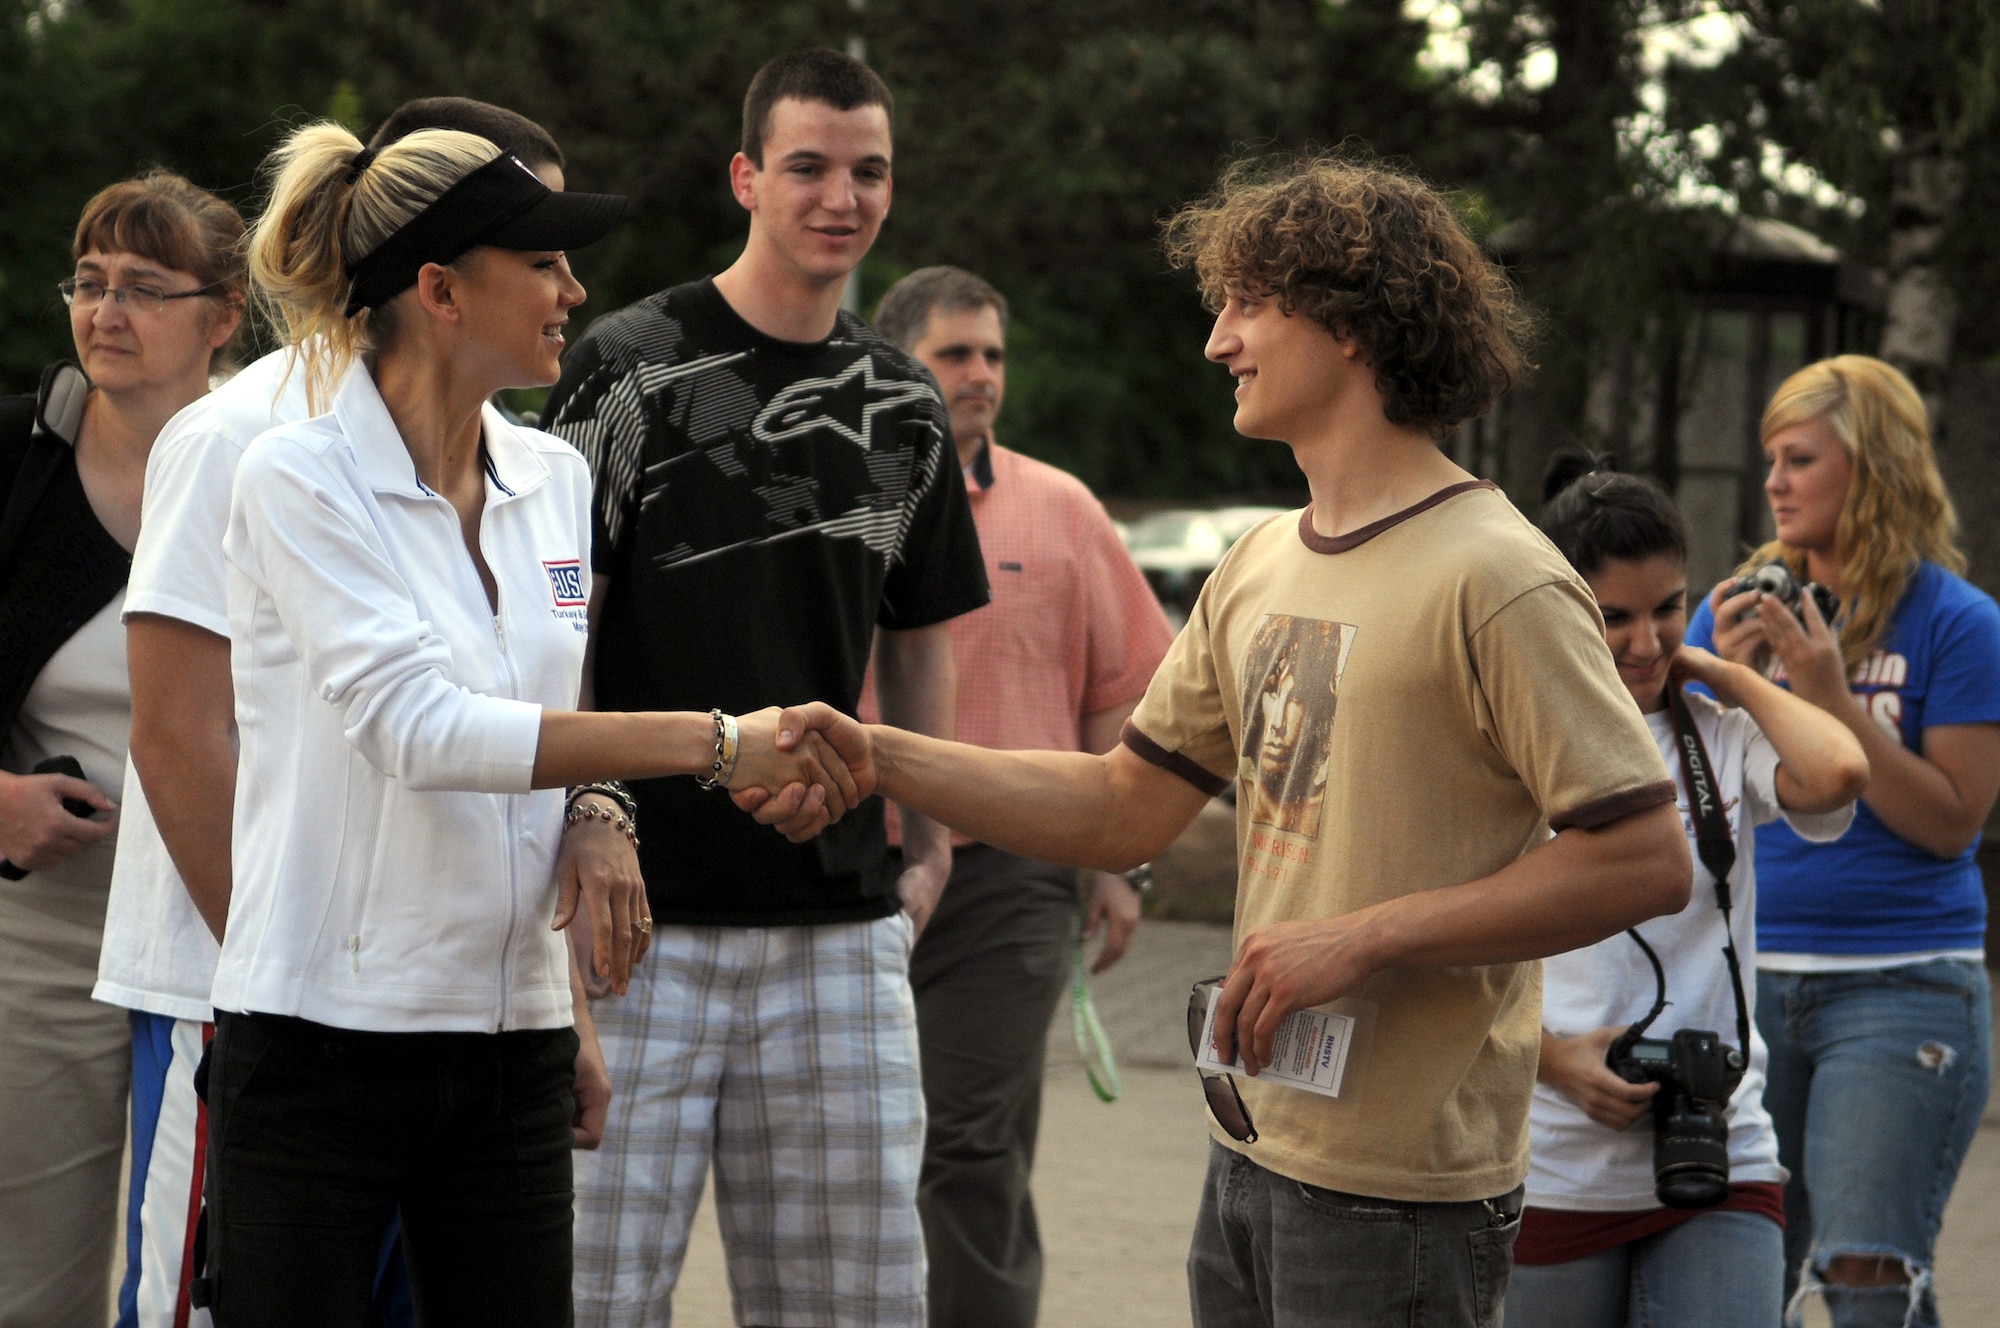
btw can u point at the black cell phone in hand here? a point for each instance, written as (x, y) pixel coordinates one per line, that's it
(66, 765)
(54, 765)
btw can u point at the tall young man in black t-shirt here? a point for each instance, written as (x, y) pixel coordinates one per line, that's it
(775, 482)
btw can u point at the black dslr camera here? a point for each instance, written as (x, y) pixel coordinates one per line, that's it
(1774, 578)
(1697, 1073)
(1696, 1070)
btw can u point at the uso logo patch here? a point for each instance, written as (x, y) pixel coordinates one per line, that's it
(566, 582)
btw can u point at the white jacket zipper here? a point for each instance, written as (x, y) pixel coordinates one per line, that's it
(513, 834)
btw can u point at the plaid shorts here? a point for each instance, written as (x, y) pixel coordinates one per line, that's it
(789, 1056)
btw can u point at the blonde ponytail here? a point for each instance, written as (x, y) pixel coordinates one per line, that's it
(322, 217)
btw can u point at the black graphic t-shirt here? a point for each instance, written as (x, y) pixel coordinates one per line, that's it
(761, 507)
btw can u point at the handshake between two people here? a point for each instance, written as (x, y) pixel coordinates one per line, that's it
(801, 768)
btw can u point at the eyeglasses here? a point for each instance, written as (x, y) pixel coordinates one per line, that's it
(88, 293)
(1224, 1102)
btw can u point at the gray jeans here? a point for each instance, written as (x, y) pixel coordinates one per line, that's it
(1271, 1252)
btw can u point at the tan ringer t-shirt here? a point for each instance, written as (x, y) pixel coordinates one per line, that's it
(1409, 706)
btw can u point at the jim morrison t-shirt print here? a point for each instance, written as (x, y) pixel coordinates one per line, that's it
(1291, 686)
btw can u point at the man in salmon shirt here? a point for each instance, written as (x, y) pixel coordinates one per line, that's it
(1057, 660)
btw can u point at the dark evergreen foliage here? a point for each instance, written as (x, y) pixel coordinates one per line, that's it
(1040, 143)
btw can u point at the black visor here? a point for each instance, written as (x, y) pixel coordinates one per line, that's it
(503, 204)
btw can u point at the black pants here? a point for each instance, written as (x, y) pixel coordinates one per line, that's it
(987, 972)
(317, 1134)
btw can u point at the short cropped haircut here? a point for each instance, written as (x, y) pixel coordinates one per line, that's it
(1595, 515)
(905, 312)
(510, 131)
(1371, 253)
(812, 74)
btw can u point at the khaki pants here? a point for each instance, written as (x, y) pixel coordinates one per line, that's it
(65, 1069)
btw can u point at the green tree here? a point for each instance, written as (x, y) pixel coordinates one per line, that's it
(1893, 102)
(1038, 142)
(1555, 103)
(1042, 143)
(95, 92)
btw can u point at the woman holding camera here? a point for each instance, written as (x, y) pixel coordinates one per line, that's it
(407, 586)
(156, 294)
(1599, 1244)
(1873, 993)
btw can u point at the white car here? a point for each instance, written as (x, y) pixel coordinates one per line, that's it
(1178, 548)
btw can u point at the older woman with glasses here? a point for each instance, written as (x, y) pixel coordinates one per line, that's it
(157, 294)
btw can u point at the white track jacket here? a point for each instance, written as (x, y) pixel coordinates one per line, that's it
(392, 871)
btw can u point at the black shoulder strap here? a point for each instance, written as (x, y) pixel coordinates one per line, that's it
(58, 414)
(1713, 843)
(17, 426)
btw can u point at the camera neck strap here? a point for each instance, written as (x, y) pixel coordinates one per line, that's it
(1714, 844)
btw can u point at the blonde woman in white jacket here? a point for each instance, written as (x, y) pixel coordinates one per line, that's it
(407, 600)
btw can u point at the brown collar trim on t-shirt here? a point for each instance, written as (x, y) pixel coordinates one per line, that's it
(1172, 762)
(1354, 539)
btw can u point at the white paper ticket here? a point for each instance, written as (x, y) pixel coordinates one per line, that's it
(1309, 1052)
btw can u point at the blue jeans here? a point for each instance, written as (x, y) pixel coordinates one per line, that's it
(1877, 1081)
(1717, 1270)
(1271, 1252)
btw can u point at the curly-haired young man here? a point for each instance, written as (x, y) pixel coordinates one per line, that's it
(1410, 690)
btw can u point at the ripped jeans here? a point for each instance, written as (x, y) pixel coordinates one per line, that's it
(1876, 1083)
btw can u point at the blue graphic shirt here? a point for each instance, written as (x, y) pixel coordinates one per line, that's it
(1871, 892)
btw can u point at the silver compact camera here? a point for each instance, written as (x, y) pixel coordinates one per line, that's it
(1776, 579)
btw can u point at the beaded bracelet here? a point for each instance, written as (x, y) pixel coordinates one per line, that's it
(591, 811)
(609, 788)
(726, 747)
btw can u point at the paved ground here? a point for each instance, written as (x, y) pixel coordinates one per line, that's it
(1116, 1184)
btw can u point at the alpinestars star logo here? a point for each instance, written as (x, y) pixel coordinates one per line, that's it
(847, 404)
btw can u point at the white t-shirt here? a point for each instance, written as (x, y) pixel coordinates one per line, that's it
(80, 705)
(1579, 1165)
(159, 956)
